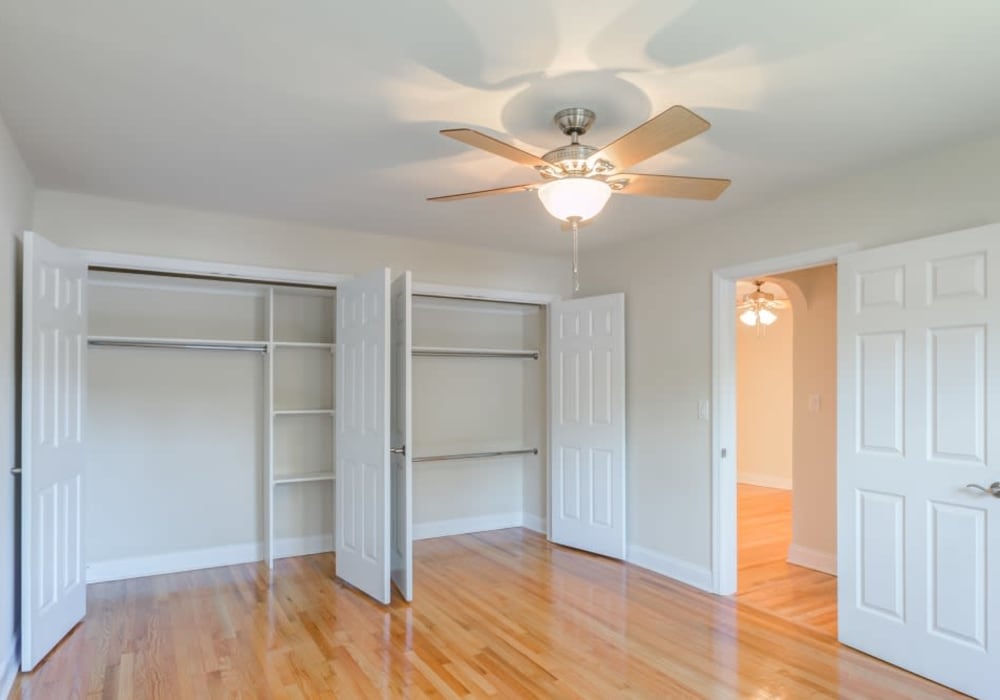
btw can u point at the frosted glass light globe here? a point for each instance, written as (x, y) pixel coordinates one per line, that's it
(574, 197)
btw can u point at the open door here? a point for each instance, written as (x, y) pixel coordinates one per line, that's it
(362, 444)
(587, 424)
(918, 421)
(402, 437)
(53, 406)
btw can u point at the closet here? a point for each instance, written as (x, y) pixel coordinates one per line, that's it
(479, 397)
(180, 415)
(210, 411)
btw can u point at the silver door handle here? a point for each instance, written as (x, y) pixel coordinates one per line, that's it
(15, 470)
(398, 450)
(992, 490)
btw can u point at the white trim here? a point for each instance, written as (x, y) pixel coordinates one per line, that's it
(207, 558)
(9, 667)
(685, 572)
(301, 546)
(155, 263)
(786, 263)
(813, 559)
(464, 526)
(483, 293)
(534, 522)
(724, 399)
(770, 481)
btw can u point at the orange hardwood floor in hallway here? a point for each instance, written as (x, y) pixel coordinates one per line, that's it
(765, 579)
(500, 614)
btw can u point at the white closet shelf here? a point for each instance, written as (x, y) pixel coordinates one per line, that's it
(304, 477)
(181, 343)
(304, 344)
(430, 351)
(304, 412)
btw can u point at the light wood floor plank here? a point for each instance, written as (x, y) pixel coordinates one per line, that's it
(500, 614)
(765, 579)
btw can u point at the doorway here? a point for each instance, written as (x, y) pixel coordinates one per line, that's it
(724, 398)
(786, 445)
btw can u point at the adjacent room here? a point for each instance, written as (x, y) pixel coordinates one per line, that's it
(525, 349)
(786, 445)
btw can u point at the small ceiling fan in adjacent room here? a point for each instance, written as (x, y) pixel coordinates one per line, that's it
(577, 180)
(757, 309)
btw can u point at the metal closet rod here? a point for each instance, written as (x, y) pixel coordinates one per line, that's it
(262, 347)
(510, 354)
(476, 455)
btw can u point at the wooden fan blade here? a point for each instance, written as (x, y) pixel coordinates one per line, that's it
(669, 186)
(483, 193)
(664, 131)
(476, 139)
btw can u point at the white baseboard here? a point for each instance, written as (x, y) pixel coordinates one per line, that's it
(9, 667)
(812, 559)
(302, 546)
(534, 522)
(685, 572)
(770, 481)
(463, 526)
(210, 557)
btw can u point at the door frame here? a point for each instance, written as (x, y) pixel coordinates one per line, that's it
(724, 522)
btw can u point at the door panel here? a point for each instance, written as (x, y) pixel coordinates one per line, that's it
(362, 445)
(53, 401)
(587, 423)
(919, 372)
(402, 436)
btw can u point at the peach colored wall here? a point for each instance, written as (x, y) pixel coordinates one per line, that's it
(814, 416)
(764, 402)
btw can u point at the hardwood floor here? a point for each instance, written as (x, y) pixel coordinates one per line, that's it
(502, 614)
(765, 579)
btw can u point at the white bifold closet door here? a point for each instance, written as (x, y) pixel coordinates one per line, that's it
(402, 436)
(362, 440)
(587, 424)
(918, 421)
(53, 408)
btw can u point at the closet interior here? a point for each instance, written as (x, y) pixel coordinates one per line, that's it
(211, 420)
(479, 397)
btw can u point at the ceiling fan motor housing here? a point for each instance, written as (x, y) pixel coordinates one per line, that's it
(574, 121)
(570, 159)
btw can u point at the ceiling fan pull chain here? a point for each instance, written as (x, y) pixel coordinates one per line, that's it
(576, 254)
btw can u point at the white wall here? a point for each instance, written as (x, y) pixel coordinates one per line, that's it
(16, 193)
(764, 402)
(97, 223)
(669, 335)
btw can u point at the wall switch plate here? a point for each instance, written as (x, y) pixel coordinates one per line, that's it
(703, 413)
(814, 403)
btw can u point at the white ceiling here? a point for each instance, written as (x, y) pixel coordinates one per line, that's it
(328, 112)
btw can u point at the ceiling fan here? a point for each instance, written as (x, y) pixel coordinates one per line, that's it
(580, 168)
(758, 307)
(577, 179)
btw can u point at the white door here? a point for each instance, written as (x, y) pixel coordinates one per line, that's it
(919, 418)
(362, 444)
(587, 424)
(53, 407)
(402, 437)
